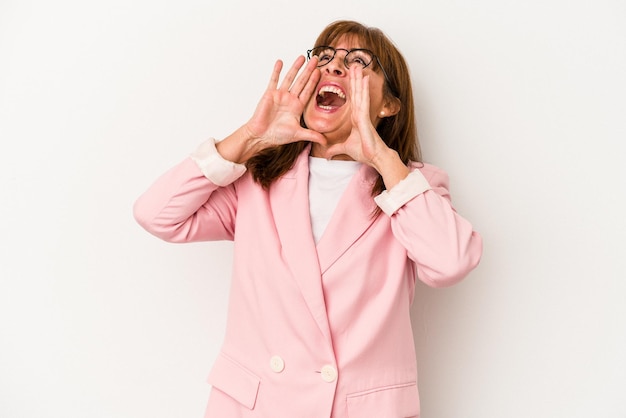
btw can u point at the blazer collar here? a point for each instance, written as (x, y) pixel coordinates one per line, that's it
(289, 199)
(353, 215)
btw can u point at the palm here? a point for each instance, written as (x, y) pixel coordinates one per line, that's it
(363, 143)
(277, 117)
(276, 120)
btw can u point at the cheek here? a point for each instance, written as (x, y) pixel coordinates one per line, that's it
(376, 94)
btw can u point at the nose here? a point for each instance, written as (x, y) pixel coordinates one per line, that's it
(336, 67)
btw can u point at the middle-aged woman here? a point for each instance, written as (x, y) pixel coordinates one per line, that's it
(333, 218)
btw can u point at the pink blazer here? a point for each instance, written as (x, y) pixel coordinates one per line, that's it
(315, 331)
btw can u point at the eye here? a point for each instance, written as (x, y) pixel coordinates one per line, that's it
(360, 57)
(324, 55)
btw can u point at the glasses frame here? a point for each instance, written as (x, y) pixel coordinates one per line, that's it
(345, 61)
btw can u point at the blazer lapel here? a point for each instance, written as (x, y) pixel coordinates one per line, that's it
(352, 217)
(289, 199)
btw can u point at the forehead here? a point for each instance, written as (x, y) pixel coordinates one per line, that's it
(348, 41)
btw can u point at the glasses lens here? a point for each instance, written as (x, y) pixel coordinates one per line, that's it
(324, 55)
(361, 57)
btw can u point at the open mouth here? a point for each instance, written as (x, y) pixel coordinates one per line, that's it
(330, 97)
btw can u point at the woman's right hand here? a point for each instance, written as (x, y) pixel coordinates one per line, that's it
(276, 120)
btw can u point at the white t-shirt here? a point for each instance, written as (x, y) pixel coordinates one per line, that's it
(328, 180)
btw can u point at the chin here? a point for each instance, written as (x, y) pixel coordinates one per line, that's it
(327, 123)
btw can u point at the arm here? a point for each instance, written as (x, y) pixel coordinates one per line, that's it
(443, 244)
(193, 201)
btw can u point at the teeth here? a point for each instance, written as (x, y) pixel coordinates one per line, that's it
(332, 89)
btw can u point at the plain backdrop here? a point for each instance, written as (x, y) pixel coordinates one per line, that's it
(522, 102)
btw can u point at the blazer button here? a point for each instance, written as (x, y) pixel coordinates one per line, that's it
(329, 374)
(277, 364)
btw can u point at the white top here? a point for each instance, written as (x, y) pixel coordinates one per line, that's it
(328, 180)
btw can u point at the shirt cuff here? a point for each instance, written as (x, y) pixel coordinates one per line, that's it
(391, 200)
(218, 170)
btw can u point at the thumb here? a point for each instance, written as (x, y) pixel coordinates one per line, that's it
(334, 150)
(304, 134)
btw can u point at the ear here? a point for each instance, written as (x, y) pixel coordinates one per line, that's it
(391, 107)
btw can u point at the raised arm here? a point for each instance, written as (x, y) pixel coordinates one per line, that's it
(195, 200)
(442, 243)
(183, 205)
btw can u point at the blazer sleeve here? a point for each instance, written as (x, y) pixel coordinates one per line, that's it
(443, 244)
(184, 205)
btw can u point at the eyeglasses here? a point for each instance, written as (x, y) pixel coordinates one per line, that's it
(356, 56)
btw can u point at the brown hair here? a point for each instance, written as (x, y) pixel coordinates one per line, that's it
(399, 131)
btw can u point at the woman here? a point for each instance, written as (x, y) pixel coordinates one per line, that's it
(333, 219)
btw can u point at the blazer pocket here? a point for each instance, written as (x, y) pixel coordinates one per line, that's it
(394, 401)
(235, 380)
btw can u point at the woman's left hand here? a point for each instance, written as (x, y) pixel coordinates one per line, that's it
(363, 144)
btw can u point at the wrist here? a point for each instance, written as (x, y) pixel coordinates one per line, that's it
(239, 146)
(390, 167)
(383, 158)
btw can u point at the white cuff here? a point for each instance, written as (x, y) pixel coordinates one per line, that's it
(391, 200)
(218, 170)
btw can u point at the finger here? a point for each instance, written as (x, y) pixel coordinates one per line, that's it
(303, 79)
(358, 85)
(353, 87)
(304, 134)
(309, 88)
(291, 74)
(278, 67)
(365, 92)
(356, 89)
(334, 150)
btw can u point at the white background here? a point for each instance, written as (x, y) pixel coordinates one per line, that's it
(522, 102)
